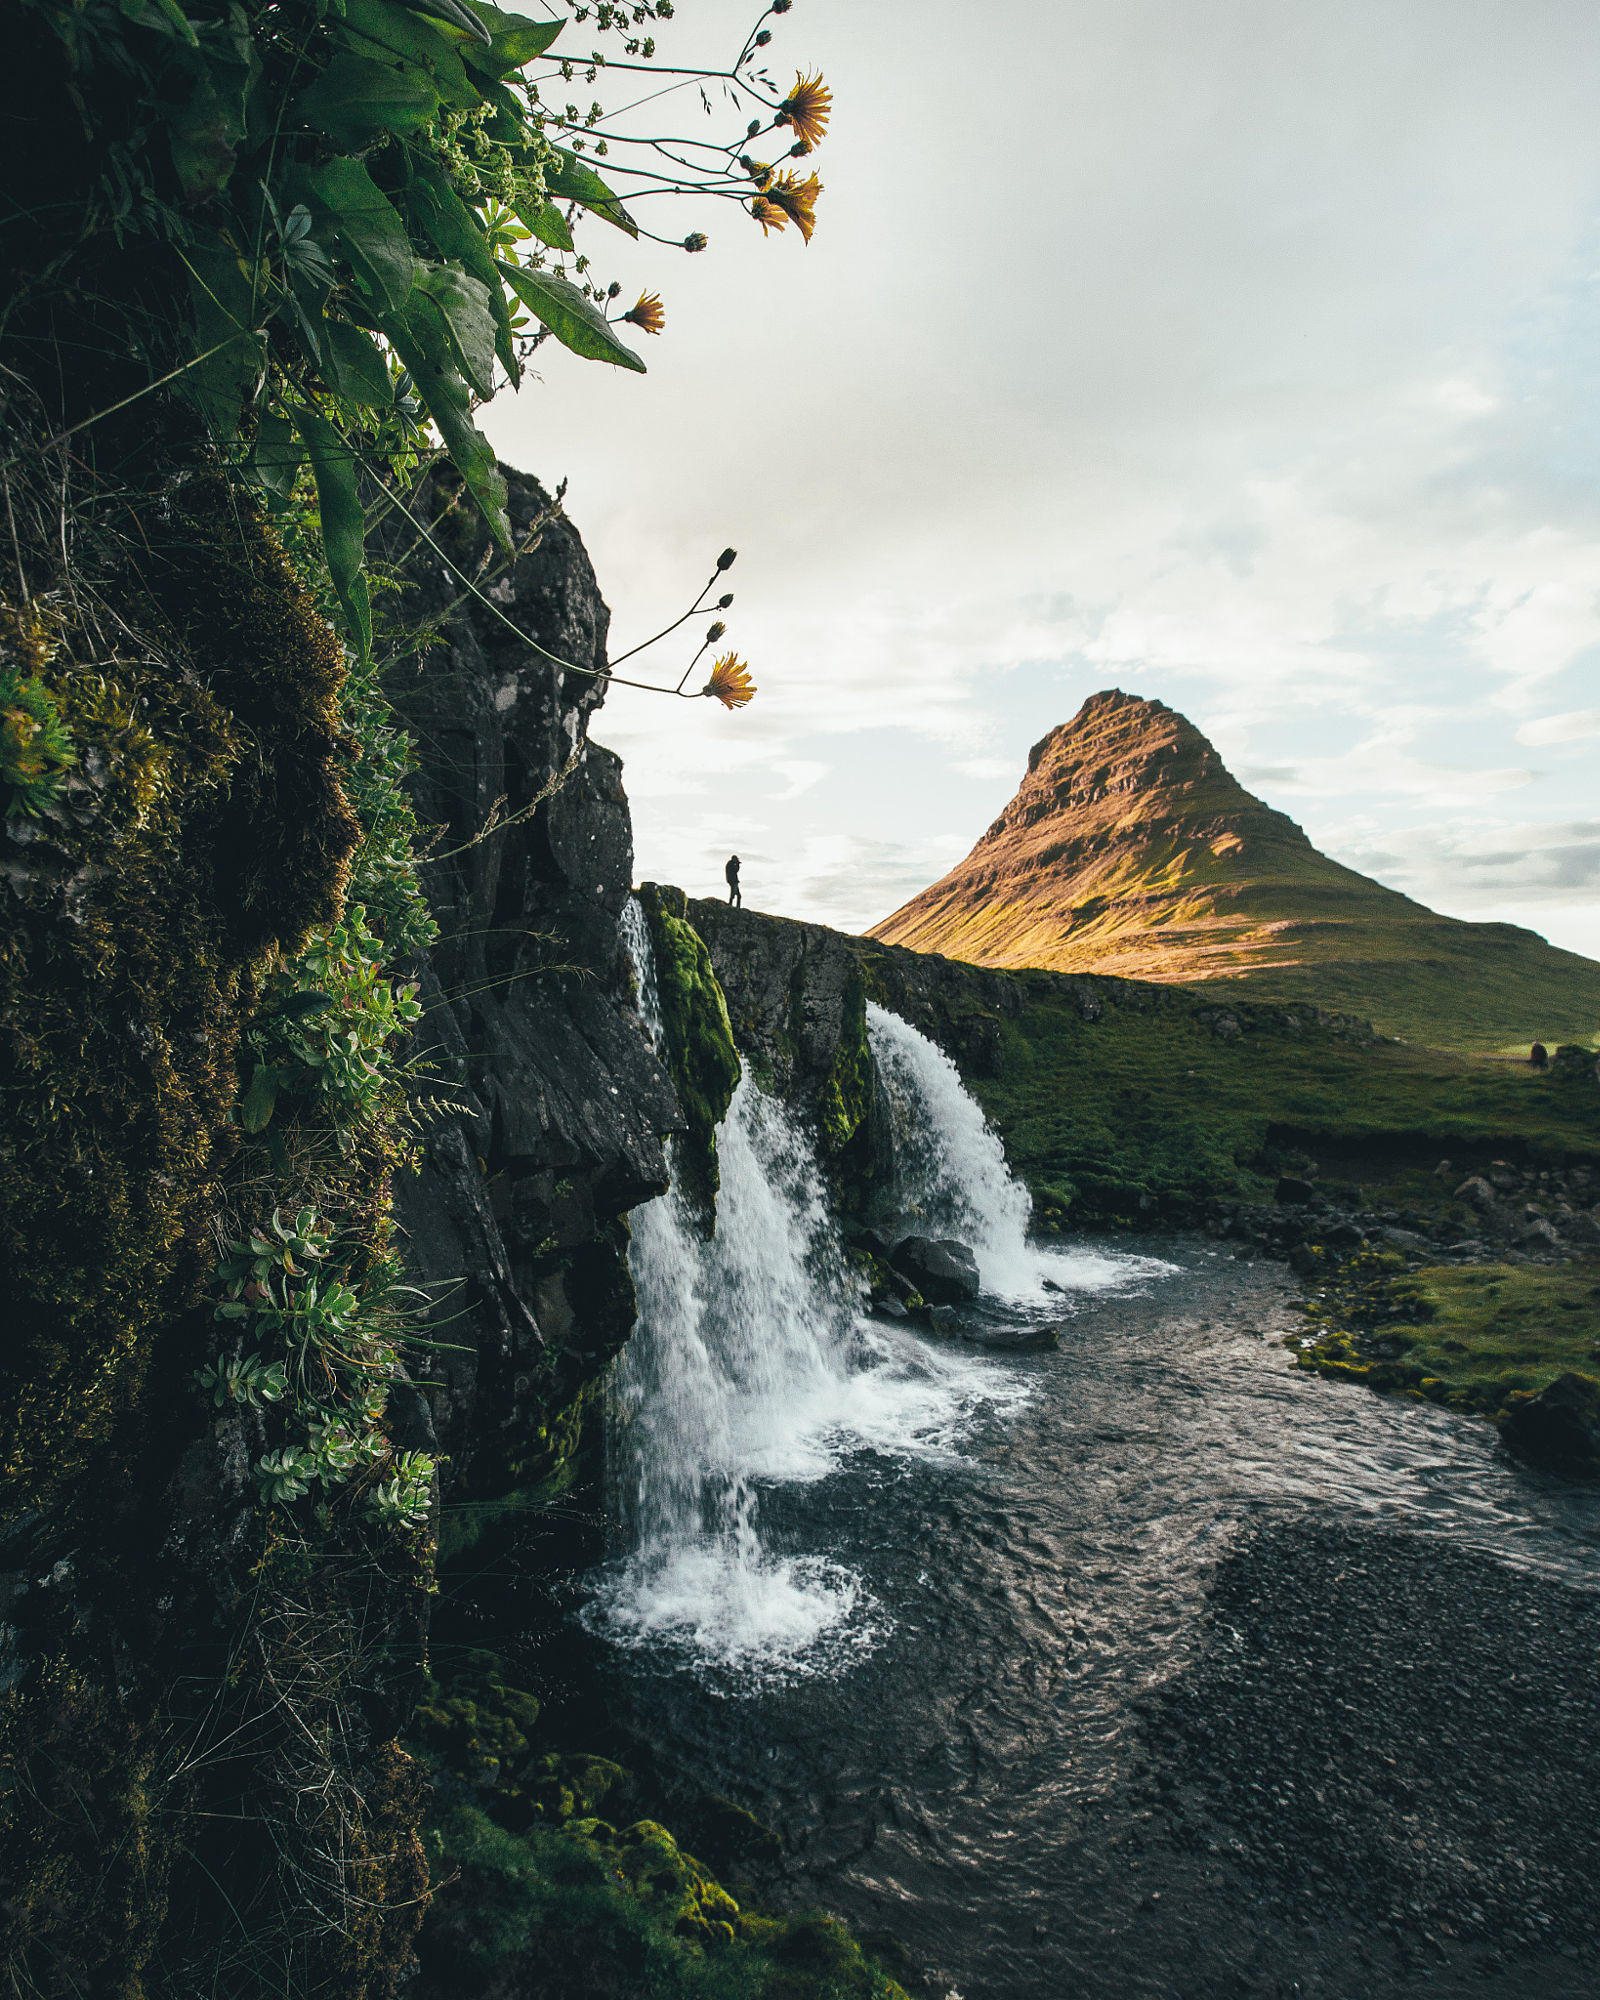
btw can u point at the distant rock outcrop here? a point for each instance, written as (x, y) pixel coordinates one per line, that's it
(1130, 849)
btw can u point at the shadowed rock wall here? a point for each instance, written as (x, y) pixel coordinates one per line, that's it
(531, 1020)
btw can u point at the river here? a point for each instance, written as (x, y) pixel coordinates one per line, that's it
(1147, 1666)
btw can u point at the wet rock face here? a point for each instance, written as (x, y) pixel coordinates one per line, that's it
(786, 985)
(1558, 1428)
(531, 1023)
(943, 1270)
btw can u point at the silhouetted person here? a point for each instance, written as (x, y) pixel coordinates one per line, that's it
(732, 873)
(1538, 1055)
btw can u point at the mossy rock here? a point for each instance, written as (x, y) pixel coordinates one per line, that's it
(845, 1097)
(586, 1912)
(480, 1727)
(201, 822)
(700, 1052)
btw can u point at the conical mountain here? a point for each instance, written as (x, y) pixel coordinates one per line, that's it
(1131, 849)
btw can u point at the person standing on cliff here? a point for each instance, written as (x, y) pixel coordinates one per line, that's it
(732, 873)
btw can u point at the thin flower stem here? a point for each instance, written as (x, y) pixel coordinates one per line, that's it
(569, 666)
(698, 605)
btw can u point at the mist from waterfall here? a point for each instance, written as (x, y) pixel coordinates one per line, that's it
(754, 1363)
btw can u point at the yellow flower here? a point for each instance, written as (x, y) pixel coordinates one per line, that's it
(807, 108)
(730, 681)
(767, 213)
(647, 314)
(797, 199)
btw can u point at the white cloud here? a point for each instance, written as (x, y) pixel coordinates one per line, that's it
(1572, 727)
(1274, 405)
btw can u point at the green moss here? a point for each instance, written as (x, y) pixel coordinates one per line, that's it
(36, 747)
(846, 1094)
(700, 1050)
(86, 1878)
(1474, 1337)
(588, 1912)
(202, 825)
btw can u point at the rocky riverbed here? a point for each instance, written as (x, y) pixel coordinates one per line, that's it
(1395, 1743)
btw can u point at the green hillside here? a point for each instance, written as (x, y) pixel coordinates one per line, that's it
(1145, 1108)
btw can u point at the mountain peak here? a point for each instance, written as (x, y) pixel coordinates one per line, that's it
(1130, 848)
(1124, 762)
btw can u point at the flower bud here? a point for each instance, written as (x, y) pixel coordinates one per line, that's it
(725, 600)
(715, 632)
(727, 559)
(694, 242)
(781, 6)
(763, 38)
(752, 128)
(613, 290)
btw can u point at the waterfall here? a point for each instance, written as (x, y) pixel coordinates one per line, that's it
(753, 1363)
(743, 1342)
(951, 1177)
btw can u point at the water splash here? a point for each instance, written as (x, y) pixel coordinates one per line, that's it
(743, 1342)
(951, 1177)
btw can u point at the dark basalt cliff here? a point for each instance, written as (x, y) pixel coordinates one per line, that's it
(530, 1023)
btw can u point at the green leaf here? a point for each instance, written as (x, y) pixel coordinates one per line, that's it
(224, 312)
(360, 373)
(458, 234)
(276, 456)
(165, 16)
(355, 100)
(570, 180)
(547, 223)
(469, 320)
(298, 1005)
(333, 465)
(455, 13)
(255, 1110)
(371, 234)
(383, 31)
(515, 40)
(421, 338)
(574, 320)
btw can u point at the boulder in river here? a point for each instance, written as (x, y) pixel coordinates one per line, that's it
(1558, 1428)
(1016, 1339)
(943, 1270)
(1004, 1339)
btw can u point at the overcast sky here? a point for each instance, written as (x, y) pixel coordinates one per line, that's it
(1239, 353)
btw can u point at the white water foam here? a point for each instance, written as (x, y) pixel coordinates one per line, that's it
(951, 1177)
